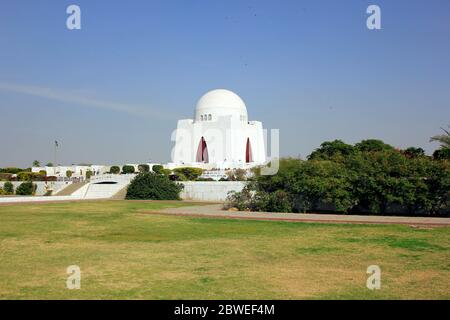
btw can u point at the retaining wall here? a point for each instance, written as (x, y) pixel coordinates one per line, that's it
(209, 190)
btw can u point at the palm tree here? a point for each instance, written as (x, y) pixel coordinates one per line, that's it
(443, 139)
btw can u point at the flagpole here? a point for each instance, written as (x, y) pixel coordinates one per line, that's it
(56, 145)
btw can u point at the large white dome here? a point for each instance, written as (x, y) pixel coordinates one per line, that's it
(218, 103)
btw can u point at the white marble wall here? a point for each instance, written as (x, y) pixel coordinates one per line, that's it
(209, 190)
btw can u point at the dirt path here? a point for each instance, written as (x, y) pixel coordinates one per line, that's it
(215, 211)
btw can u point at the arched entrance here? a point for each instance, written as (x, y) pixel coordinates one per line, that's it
(202, 151)
(248, 152)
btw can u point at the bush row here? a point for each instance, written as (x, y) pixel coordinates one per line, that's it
(27, 188)
(384, 181)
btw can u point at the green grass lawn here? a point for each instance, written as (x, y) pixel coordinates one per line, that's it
(125, 253)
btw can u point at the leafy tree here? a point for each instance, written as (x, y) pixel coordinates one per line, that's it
(26, 189)
(153, 186)
(330, 149)
(69, 173)
(413, 152)
(11, 170)
(443, 139)
(380, 182)
(36, 163)
(372, 145)
(114, 170)
(301, 186)
(157, 168)
(318, 183)
(143, 168)
(442, 154)
(8, 188)
(126, 169)
(438, 183)
(431, 180)
(380, 179)
(89, 174)
(50, 164)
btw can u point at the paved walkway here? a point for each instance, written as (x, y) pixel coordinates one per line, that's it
(215, 211)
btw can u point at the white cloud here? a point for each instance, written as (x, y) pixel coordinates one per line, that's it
(71, 98)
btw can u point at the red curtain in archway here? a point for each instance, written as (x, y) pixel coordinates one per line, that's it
(248, 152)
(202, 151)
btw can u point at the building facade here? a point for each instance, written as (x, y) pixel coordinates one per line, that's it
(220, 135)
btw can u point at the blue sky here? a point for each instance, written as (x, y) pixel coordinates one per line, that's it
(113, 91)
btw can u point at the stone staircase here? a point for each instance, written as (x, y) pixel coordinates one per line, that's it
(120, 195)
(70, 189)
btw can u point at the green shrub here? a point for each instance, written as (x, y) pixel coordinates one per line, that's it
(11, 170)
(30, 176)
(442, 154)
(8, 188)
(242, 201)
(127, 169)
(178, 176)
(2, 192)
(188, 173)
(152, 186)
(26, 189)
(24, 176)
(387, 181)
(89, 174)
(157, 168)
(143, 168)
(278, 201)
(69, 173)
(115, 170)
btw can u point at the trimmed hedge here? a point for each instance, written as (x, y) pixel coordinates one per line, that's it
(26, 189)
(8, 188)
(115, 170)
(157, 168)
(127, 169)
(143, 168)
